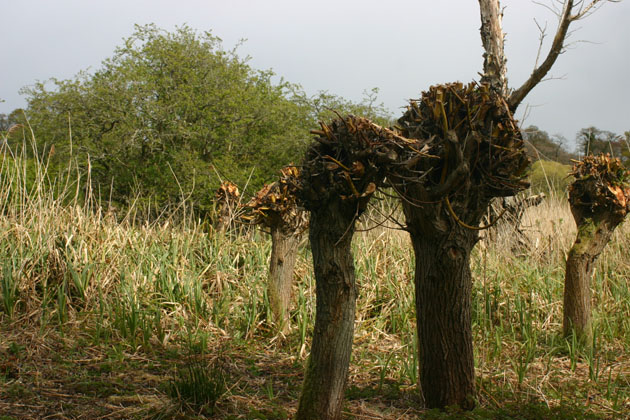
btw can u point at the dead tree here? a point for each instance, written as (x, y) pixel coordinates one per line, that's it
(600, 199)
(275, 207)
(342, 170)
(227, 199)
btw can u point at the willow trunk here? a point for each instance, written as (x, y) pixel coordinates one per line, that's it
(443, 303)
(331, 231)
(443, 287)
(592, 236)
(284, 247)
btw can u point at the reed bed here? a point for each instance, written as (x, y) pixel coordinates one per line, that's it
(105, 316)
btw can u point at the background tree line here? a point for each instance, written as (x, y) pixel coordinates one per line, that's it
(553, 159)
(170, 114)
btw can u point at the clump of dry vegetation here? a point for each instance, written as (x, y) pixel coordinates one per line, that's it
(100, 315)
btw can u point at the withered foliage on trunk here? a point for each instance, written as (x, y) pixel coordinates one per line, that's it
(351, 158)
(601, 186)
(477, 140)
(275, 207)
(600, 199)
(276, 204)
(227, 199)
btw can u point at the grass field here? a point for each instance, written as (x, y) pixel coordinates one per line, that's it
(103, 317)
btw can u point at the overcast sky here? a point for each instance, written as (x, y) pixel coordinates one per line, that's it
(342, 46)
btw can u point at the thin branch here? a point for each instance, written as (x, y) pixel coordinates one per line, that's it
(385, 219)
(467, 226)
(541, 38)
(585, 11)
(539, 73)
(571, 11)
(350, 225)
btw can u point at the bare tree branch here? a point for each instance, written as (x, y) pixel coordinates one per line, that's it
(584, 11)
(571, 11)
(557, 47)
(541, 38)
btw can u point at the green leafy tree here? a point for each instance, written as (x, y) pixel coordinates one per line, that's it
(167, 113)
(170, 113)
(12, 123)
(4, 123)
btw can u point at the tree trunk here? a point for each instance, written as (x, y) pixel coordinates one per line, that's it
(592, 236)
(284, 247)
(443, 303)
(331, 231)
(223, 219)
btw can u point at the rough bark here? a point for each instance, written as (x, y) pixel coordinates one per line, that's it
(331, 231)
(592, 236)
(494, 61)
(284, 247)
(443, 303)
(341, 172)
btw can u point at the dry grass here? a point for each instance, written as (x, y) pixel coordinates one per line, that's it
(98, 312)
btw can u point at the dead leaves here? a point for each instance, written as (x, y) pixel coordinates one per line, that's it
(601, 183)
(227, 192)
(350, 158)
(277, 203)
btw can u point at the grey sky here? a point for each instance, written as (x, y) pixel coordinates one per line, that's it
(343, 46)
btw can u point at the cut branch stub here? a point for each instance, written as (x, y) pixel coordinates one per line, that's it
(601, 185)
(276, 204)
(350, 160)
(475, 137)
